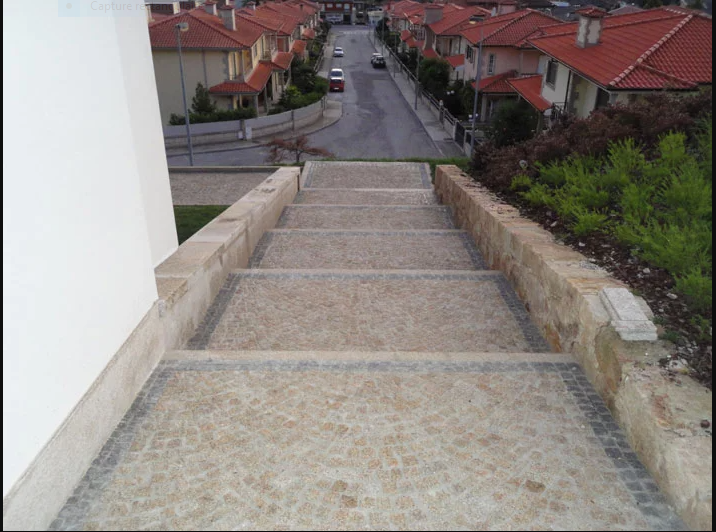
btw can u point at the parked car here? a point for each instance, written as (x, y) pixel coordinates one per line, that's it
(379, 62)
(337, 80)
(338, 52)
(374, 56)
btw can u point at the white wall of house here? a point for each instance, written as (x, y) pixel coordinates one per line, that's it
(79, 247)
(556, 93)
(584, 96)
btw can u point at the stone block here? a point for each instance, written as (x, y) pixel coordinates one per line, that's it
(628, 318)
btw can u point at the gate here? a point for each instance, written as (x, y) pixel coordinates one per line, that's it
(460, 134)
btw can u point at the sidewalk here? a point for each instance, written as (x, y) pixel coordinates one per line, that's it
(440, 137)
(331, 115)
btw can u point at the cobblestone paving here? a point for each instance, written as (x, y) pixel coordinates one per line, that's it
(368, 175)
(400, 250)
(213, 188)
(383, 446)
(366, 373)
(366, 197)
(365, 217)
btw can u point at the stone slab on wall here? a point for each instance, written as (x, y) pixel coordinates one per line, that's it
(564, 293)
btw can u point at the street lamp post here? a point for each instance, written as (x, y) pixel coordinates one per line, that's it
(417, 81)
(478, 77)
(184, 26)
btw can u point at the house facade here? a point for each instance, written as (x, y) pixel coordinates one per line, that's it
(338, 11)
(604, 60)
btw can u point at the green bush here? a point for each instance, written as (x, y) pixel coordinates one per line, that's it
(221, 115)
(515, 121)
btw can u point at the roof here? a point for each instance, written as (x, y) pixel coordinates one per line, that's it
(456, 61)
(429, 53)
(299, 47)
(309, 33)
(205, 31)
(530, 88)
(451, 22)
(254, 85)
(664, 48)
(593, 12)
(508, 30)
(405, 35)
(282, 60)
(497, 84)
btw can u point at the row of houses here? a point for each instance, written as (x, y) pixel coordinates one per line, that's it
(243, 55)
(560, 67)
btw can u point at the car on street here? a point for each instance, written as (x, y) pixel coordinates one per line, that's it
(338, 52)
(337, 80)
(379, 62)
(377, 54)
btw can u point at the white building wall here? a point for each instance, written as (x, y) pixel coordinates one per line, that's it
(78, 255)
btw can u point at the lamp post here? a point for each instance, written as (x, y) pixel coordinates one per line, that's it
(179, 28)
(478, 76)
(417, 81)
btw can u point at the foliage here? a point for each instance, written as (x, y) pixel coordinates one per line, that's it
(220, 115)
(201, 103)
(280, 149)
(307, 88)
(515, 121)
(435, 76)
(191, 218)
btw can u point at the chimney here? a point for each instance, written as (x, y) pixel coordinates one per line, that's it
(227, 17)
(176, 8)
(210, 7)
(591, 23)
(251, 5)
(433, 14)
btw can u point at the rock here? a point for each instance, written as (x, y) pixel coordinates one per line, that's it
(582, 245)
(672, 296)
(554, 224)
(646, 271)
(678, 365)
(705, 424)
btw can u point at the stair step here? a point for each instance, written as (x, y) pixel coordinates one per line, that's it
(367, 175)
(344, 310)
(407, 250)
(345, 196)
(366, 217)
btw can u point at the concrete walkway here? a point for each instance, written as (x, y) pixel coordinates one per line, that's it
(367, 372)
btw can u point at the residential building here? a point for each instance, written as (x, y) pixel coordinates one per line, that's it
(242, 55)
(443, 33)
(505, 54)
(603, 60)
(338, 11)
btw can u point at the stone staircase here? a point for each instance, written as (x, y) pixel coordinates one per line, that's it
(366, 371)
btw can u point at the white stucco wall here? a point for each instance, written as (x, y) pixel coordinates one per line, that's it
(77, 249)
(558, 93)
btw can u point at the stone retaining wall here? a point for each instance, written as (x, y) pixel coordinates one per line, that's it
(565, 293)
(189, 280)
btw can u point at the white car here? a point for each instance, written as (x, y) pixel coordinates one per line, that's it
(374, 56)
(338, 52)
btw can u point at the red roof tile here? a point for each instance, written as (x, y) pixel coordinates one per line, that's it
(299, 47)
(508, 30)
(282, 60)
(451, 23)
(456, 61)
(429, 53)
(405, 35)
(530, 88)
(593, 12)
(205, 31)
(497, 84)
(309, 33)
(655, 49)
(255, 84)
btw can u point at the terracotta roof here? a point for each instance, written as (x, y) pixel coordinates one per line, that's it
(412, 43)
(497, 84)
(405, 35)
(430, 54)
(665, 48)
(254, 85)
(282, 60)
(299, 47)
(530, 88)
(452, 22)
(508, 30)
(309, 33)
(456, 61)
(205, 31)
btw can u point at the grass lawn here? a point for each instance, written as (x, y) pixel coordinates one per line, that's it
(191, 218)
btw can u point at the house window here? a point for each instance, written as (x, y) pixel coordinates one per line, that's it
(339, 6)
(469, 54)
(347, 7)
(329, 6)
(491, 65)
(552, 68)
(602, 99)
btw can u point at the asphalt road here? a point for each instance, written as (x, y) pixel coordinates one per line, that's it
(377, 121)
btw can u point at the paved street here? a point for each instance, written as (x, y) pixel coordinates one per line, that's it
(377, 121)
(367, 376)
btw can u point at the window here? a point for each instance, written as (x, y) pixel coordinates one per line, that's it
(329, 6)
(552, 68)
(602, 99)
(347, 7)
(469, 54)
(339, 6)
(491, 65)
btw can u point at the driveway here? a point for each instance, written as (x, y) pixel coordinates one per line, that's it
(377, 121)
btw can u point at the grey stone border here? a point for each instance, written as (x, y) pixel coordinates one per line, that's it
(201, 338)
(425, 176)
(309, 175)
(74, 512)
(475, 256)
(607, 434)
(446, 211)
(213, 316)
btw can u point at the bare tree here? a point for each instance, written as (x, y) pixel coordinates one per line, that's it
(281, 149)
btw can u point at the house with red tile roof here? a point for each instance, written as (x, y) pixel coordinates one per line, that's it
(443, 33)
(505, 54)
(243, 56)
(603, 60)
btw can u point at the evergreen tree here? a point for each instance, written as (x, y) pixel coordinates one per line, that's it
(201, 103)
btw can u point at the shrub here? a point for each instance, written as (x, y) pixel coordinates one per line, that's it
(515, 121)
(435, 76)
(221, 115)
